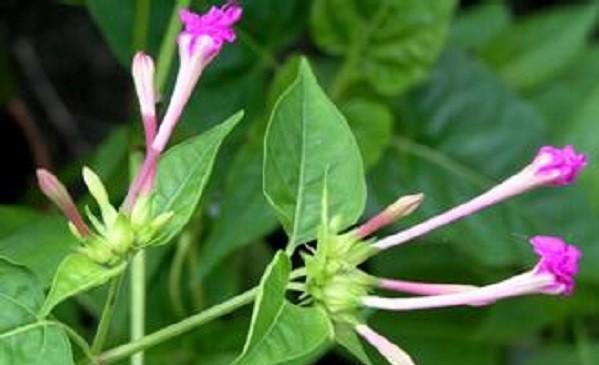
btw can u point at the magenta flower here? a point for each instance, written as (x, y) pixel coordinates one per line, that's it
(216, 25)
(200, 41)
(551, 167)
(558, 259)
(559, 166)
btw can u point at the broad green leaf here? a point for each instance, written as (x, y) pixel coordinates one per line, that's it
(40, 243)
(307, 138)
(534, 49)
(475, 27)
(117, 22)
(270, 300)
(183, 173)
(391, 44)
(77, 273)
(24, 339)
(467, 131)
(371, 123)
(280, 332)
(244, 215)
(285, 21)
(569, 103)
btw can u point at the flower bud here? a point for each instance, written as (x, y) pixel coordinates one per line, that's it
(98, 191)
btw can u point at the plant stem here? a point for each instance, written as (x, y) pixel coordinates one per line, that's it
(142, 21)
(175, 293)
(107, 314)
(178, 328)
(168, 45)
(585, 357)
(138, 302)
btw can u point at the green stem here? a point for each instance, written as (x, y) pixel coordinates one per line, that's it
(346, 75)
(107, 314)
(178, 328)
(142, 21)
(138, 302)
(168, 45)
(585, 356)
(183, 245)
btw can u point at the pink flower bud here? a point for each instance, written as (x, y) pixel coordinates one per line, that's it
(143, 77)
(58, 194)
(403, 207)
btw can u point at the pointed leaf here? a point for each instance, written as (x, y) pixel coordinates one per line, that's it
(76, 274)
(182, 175)
(392, 44)
(24, 339)
(306, 138)
(281, 332)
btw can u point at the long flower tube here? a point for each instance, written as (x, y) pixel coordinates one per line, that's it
(554, 274)
(200, 42)
(551, 167)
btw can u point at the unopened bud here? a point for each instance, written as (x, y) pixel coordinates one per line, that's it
(98, 191)
(403, 207)
(58, 194)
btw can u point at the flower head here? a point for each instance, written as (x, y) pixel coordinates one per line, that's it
(558, 259)
(216, 25)
(558, 166)
(142, 70)
(199, 43)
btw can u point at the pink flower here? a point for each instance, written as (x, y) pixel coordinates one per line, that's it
(142, 69)
(200, 41)
(558, 166)
(554, 275)
(216, 25)
(558, 259)
(550, 167)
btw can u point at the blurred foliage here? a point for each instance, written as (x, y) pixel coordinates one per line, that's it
(443, 100)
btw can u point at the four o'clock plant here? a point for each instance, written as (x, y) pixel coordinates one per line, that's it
(332, 278)
(335, 282)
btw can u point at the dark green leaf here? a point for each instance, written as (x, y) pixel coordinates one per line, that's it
(244, 215)
(474, 28)
(183, 173)
(371, 123)
(24, 339)
(391, 44)
(307, 138)
(40, 243)
(536, 48)
(117, 21)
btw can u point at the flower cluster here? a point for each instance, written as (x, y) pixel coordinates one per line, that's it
(117, 233)
(334, 281)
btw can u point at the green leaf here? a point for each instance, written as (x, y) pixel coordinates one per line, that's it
(36, 241)
(24, 339)
(307, 138)
(117, 21)
(244, 215)
(534, 49)
(77, 273)
(371, 123)
(346, 336)
(182, 175)
(280, 332)
(478, 26)
(564, 354)
(467, 131)
(391, 44)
